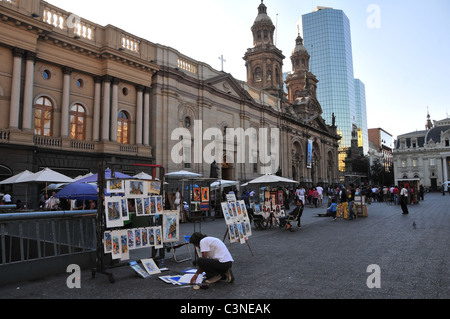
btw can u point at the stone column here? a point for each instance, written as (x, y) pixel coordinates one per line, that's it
(65, 112)
(444, 169)
(114, 109)
(15, 89)
(97, 103)
(106, 107)
(139, 114)
(146, 128)
(28, 94)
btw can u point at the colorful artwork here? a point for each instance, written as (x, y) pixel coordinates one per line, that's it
(108, 242)
(130, 239)
(139, 206)
(144, 236)
(150, 266)
(205, 194)
(115, 245)
(171, 226)
(125, 253)
(151, 236)
(197, 194)
(137, 238)
(136, 188)
(147, 209)
(158, 237)
(113, 214)
(124, 209)
(154, 188)
(141, 272)
(115, 186)
(159, 205)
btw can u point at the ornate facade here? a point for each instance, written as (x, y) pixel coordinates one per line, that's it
(73, 92)
(424, 156)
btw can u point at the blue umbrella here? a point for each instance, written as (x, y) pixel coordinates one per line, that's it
(79, 191)
(94, 178)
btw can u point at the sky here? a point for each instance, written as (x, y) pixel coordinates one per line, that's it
(401, 48)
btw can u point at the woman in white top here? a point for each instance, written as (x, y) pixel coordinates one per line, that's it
(216, 260)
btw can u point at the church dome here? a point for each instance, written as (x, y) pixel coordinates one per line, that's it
(262, 14)
(299, 47)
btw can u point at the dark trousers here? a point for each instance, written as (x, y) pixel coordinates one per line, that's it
(404, 205)
(213, 267)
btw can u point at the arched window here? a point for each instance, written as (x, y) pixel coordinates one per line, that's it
(258, 74)
(77, 122)
(43, 117)
(123, 128)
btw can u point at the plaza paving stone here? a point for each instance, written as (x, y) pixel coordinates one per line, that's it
(326, 259)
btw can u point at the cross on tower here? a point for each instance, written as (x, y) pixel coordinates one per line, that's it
(222, 60)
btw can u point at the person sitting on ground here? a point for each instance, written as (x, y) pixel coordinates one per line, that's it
(216, 260)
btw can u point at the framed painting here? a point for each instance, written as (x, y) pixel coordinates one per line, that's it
(115, 238)
(171, 226)
(136, 188)
(158, 238)
(197, 194)
(139, 206)
(125, 252)
(150, 266)
(154, 188)
(107, 242)
(113, 213)
(124, 209)
(130, 233)
(205, 194)
(115, 186)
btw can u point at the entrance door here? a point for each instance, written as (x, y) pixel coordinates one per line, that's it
(434, 184)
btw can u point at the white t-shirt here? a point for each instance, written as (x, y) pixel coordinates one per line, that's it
(215, 249)
(404, 192)
(7, 198)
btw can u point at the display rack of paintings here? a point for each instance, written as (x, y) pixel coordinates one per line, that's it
(139, 198)
(237, 220)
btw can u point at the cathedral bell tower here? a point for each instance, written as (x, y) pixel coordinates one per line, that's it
(264, 61)
(300, 82)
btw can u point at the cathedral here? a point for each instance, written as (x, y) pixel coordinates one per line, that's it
(73, 93)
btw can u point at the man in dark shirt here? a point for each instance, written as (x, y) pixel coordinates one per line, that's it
(351, 201)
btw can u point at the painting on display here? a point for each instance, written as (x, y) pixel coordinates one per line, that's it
(205, 194)
(197, 194)
(107, 242)
(171, 226)
(125, 252)
(115, 186)
(115, 238)
(158, 238)
(136, 188)
(113, 212)
(154, 188)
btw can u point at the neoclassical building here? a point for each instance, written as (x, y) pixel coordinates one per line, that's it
(424, 155)
(73, 92)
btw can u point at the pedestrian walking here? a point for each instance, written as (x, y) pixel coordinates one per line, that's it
(404, 200)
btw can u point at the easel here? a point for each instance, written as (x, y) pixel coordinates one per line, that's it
(246, 241)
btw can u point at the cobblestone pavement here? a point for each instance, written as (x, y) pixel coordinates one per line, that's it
(326, 259)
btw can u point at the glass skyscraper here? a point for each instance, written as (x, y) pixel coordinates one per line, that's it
(327, 36)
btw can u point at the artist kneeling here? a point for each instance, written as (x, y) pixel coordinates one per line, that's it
(216, 260)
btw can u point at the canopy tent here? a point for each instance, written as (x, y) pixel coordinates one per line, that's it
(221, 183)
(94, 178)
(270, 179)
(48, 176)
(16, 179)
(182, 175)
(143, 176)
(78, 191)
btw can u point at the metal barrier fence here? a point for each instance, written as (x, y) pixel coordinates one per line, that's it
(40, 238)
(29, 236)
